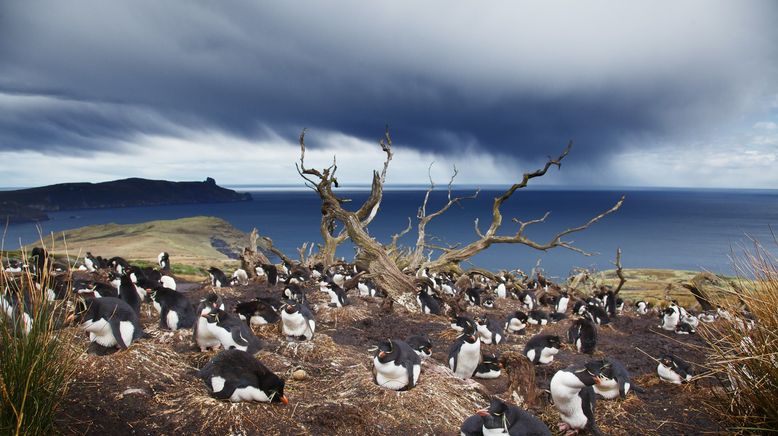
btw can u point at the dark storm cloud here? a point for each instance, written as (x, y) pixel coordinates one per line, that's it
(513, 79)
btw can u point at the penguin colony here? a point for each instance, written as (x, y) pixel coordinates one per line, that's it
(109, 314)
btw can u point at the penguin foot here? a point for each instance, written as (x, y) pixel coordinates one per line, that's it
(563, 426)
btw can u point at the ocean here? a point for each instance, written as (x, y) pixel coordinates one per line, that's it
(677, 229)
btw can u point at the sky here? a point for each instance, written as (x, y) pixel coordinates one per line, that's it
(660, 93)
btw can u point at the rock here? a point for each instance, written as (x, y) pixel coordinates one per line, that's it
(299, 375)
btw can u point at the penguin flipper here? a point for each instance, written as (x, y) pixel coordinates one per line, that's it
(117, 333)
(227, 390)
(409, 369)
(237, 336)
(588, 402)
(163, 318)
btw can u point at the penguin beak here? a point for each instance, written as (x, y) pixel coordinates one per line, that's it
(381, 355)
(482, 412)
(69, 320)
(284, 399)
(597, 380)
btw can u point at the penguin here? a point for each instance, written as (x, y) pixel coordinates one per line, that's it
(537, 317)
(175, 310)
(17, 307)
(231, 332)
(474, 296)
(708, 316)
(297, 321)
(542, 348)
(39, 260)
(583, 333)
(317, 271)
(368, 289)
(596, 314)
(163, 259)
(641, 307)
(555, 317)
(203, 338)
(516, 323)
(562, 302)
(428, 303)
(295, 292)
(465, 353)
(271, 271)
(218, 279)
(129, 293)
(90, 262)
(168, 282)
(237, 376)
(460, 322)
(421, 345)
(118, 264)
(501, 291)
(239, 277)
(573, 395)
(614, 380)
(610, 303)
(256, 312)
(691, 320)
(99, 289)
(396, 365)
(110, 322)
(337, 294)
(684, 328)
(489, 330)
(488, 302)
(472, 426)
(670, 318)
(673, 369)
(490, 367)
(527, 298)
(579, 308)
(504, 418)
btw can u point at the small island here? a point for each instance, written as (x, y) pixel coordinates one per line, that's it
(30, 205)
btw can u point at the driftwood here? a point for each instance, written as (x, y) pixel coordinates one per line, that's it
(251, 257)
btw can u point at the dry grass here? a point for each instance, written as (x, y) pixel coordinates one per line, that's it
(745, 358)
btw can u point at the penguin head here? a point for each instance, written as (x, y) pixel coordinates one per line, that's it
(667, 360)
(589, 374)
(494, 416)
(291, 306)
(488, 302)
(385, 351)
(80, 310)
(491, 358)
(553, 342)
(211, 302)
(276, 391)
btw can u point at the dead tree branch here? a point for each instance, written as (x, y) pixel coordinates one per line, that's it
(619, 271)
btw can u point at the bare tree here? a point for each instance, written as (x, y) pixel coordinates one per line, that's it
(451, 258)
(619, 272)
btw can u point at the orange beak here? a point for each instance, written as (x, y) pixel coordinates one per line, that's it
(284, 399)
(482, 412)
(597, 380)
(381, 355)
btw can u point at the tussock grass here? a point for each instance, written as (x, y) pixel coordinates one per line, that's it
(745, 346)
(35, 365)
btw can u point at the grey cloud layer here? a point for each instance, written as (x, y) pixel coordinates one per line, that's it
(515, 79)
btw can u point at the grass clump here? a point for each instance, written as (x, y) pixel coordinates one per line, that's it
(35, 365)
(744, 344)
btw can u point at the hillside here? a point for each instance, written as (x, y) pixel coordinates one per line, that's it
(19, 205)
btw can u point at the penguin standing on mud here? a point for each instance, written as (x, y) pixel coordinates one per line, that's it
(541, 349)
(583, 334)
(110, 322)
(396, 365)
(573, 395)
(238, 376)
(297, 321)
(231, 332)
(465, 354)
(175, 310)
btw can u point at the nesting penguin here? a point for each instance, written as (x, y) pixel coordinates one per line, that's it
(541, 349)
(421, 345)
(583, 333)
(465, 353)
(295, 292)
(231, 332)
(175, 310)
(490, 367)
(297, 321)
(218, 278)
(110, 322)
(237, 376)
(504, 418)
(256, 312)
(516, 323)
(239, 277)
(537, 317)
(396, 365)
(673, 369)
(573, 395)
(614, 380)
(489, 330)
(202, 336)
(670, 318)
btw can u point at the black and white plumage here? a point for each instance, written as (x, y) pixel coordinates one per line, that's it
(295, 292)
(465, 353)
(231, 332)
(256, 312)
(541, 349)
(129, 293)
(474, 296)
(218, 278)
(562, 302)
(673, 369)
(460, 322)
(421, 344)
(239, 277)
(16, 305)
(490, 367)
(614, 380)
(503, 418)
(90, 262)
(428, 303)
(163, 259)
(596, 314)
(237, 376)
(642, 307)
(684, 328)
(516, 323)
(396, 365)
(537, 317)
(527, 298)
(472, 426)
(98, 289)
(110, 322)
(175, 310)
(573, 395)
(489, 330)
(670, 318)
(203, 338)
(337, 294)
(297, 321)
(583, 334)
(367, 288)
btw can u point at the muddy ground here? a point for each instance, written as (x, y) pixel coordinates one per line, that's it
(152, 388)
